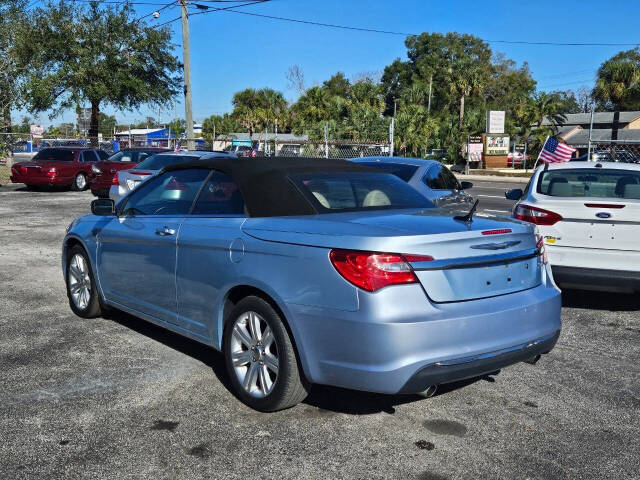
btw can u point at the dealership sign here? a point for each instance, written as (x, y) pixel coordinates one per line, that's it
(36, 130)
(496, 144)
(495, 121)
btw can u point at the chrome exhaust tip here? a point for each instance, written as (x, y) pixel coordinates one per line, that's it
(429, 392)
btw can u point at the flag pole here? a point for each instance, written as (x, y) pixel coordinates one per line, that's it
(540, 153)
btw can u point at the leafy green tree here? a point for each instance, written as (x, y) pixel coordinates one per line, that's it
(338, 85)
(311, 111)
(224, 125)
(413, 129)
(618, 83)
(256, 110)
(96, 53)
(62, 130)
(106, 124)
(12, 17)
(177, 126)
(395, 79)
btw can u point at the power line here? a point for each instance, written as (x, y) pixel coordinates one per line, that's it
(391, 32)
(575, 82)
(168, 5)
(212, 9)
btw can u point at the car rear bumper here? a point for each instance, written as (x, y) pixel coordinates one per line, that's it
(44, 181)
(596, 278)
(398, 341)
(478, 365)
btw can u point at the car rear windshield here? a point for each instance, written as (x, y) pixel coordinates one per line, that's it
(55, 154)
(333, 192)
(591, 182)
(133, 156)
(158, 162)
(400, 170)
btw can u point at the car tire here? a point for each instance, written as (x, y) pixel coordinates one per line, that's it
(82, 290)
(80, 183)
(264, 390)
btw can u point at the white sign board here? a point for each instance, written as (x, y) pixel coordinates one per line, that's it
(36, 130)
(495, 121)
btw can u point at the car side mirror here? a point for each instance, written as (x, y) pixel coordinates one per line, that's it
(103, 207)
(514, 194)
(466, 185)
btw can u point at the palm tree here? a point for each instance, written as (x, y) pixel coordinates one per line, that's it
(245, 109)
(618, 83)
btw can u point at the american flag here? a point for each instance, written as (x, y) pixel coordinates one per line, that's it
(555, 152)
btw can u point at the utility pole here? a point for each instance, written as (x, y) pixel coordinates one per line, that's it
(430, 86)
(186, 59)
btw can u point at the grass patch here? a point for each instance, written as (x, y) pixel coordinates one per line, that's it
(4, 174)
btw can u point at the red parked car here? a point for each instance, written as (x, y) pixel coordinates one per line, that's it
(103, 173)
(58, 166)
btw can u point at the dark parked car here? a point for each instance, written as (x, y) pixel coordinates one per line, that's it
(58, 166)
(102, 173)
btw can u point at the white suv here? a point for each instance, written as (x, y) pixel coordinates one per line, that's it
(589, 216)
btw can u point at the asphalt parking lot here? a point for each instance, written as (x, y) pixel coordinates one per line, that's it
(116, 397)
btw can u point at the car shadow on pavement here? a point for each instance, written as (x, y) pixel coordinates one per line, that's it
(354, 402)
(323, 397)
(611, 301)
(203, 353)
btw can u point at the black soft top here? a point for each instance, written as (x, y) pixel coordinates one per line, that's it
(265, 182)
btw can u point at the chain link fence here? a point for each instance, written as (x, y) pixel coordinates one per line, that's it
(627, 151)
(15, 146)
(308, 148)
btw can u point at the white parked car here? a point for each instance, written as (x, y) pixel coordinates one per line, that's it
(589, 216)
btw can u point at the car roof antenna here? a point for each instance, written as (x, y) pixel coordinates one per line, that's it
(469, 216)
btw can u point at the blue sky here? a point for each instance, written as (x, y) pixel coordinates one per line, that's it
(232, 51)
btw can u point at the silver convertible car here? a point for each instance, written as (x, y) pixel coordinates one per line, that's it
(307, 271)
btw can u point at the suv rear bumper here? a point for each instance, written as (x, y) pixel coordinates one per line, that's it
(596, 278)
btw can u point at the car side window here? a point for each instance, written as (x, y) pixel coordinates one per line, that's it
(102, 155)
(439, 177)
(171, 193)
(219, 196)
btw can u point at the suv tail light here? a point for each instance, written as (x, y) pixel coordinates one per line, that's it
(372, 271)
(52, 172)
(114, 180)
(535, 215)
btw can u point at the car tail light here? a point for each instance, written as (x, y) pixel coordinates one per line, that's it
(603, 205)
(52, 172)
(372, 271)
(540, 246)
(500, 231)
(115, 181)
(535, 215)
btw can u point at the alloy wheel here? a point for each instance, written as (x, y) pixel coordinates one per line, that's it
(79, 281)
(81, 182)
(254, 354)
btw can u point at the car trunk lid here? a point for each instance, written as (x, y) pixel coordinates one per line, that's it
(486, 257)
(595, 223)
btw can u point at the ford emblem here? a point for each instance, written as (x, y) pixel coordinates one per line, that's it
(603, 215)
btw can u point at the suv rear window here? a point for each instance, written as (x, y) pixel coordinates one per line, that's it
(158, 162)
(333, 192)
(591, 182)
(55, 154)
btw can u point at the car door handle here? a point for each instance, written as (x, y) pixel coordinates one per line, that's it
(163, 232)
